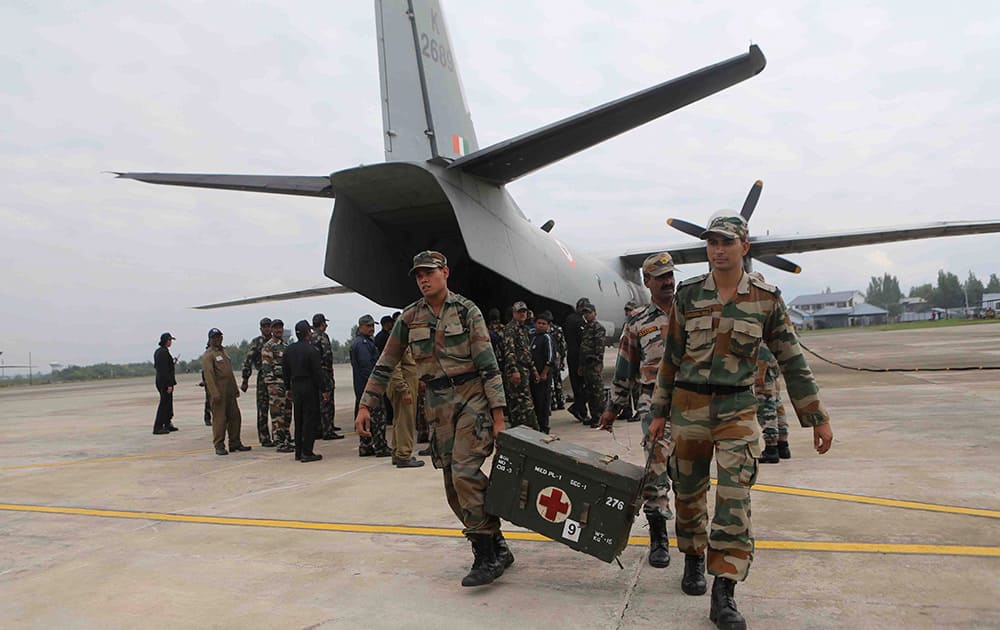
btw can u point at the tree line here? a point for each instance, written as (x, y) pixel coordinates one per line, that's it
(100, 371)
(949, 292)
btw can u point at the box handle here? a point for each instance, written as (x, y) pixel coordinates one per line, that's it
(522, 500)
(584, 515)
(549, 439)
(607, 459)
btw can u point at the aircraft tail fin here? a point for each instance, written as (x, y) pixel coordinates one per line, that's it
(424, 113)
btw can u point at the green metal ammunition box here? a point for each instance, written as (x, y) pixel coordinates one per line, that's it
(579, 497)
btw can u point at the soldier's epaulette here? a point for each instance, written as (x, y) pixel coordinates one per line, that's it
(692, 280)
(760, 284)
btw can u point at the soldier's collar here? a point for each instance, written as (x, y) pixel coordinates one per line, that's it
(743, 287)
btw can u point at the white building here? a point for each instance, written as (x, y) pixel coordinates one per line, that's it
(831, 299)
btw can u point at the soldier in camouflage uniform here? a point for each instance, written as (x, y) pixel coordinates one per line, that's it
(559, 339)
(765, 387)
(251, 362)
(518, 366)
(270, 364)
(451, 347)
(640, 351)
(783, 451)
(364, 356)
(592, 363)
(704, 382)
(321, 341)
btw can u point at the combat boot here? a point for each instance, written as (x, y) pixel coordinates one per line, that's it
(693, 582)
(485, 567)
(659, 542)
(783, 451)
(504, 556)
(770, 455)
(723, 612)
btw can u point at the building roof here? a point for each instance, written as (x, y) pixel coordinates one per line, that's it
(990, 297)
(824, 298)
(831, 311)
(867, 309)
(915, 300)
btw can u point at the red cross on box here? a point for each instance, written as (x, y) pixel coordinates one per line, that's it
(553, 504)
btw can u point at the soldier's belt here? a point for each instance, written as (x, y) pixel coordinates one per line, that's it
(451, 381)
(709, 389)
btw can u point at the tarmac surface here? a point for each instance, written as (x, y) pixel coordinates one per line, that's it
(104, 525)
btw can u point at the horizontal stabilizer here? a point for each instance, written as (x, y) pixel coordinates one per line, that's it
(508, 160)
(768, 246)
(278, 297)
(305, 185)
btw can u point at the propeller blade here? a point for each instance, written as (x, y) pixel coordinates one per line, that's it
(752, 198)
(548, 225)
(686, 227)
(779, 263)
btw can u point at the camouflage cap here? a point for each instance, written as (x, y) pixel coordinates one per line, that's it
(658, 264)
(520, 306)
(429, 259)
(364, 320)
(630, 305)
(587, 307)
(265, 321)
(319, 318)
(728, 225)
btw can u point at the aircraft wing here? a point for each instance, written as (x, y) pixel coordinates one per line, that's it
(762, 246)
(308, 186)
(279, 297)
(508, 160)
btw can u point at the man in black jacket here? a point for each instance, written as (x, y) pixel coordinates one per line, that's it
(572, 333)
(303, 374)
(165, 381)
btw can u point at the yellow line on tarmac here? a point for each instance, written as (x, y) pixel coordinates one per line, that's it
(359, 528)
(858, 498)
(101, 460)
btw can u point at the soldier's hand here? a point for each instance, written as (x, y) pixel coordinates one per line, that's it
(326, 396)
(498, 422)
(170, 390)
(245, 385)
(822, 438)
(362, 424)
(656, 428)
(515, 378)
(607, 420)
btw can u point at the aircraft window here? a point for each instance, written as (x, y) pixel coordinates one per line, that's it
(616, 290)
(598, 278)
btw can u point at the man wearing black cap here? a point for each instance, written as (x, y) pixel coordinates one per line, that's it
(221, 385)
(253, 360)
(303, 374)
(572, 331)
(165, 381)
(364, 356)
(321, 341)
(543, 358)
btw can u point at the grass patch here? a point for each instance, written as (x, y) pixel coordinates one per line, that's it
(941, 323)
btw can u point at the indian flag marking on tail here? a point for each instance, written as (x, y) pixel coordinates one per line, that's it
(458, 145)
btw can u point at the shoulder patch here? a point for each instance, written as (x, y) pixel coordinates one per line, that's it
(692, 280)
(760, 284)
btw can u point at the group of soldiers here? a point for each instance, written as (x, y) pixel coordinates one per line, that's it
(265, 354)
(532, 350)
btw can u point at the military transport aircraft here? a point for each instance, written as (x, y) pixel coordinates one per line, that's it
(438, 190)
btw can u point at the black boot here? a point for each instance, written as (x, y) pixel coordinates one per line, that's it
(783, 451)
(659, 542)
(485, 567)
(504, 556)
(693, 582)
(723, 613)
(770, 455)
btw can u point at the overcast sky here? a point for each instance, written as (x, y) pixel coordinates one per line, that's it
(866, 115)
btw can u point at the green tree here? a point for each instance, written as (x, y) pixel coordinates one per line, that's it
(948, 293)
(993, 286)
(925, 291)
(884, 292)
(974, 290)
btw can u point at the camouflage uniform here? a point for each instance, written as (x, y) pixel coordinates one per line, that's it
(364, 357)
(712, 347)
(765, 386)
(592, 362)
(454, 358)
(558, 397)
(420, 421)
(251, 362)
(271, 355)
(640, 351)
(321, 341)
(517, 359)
